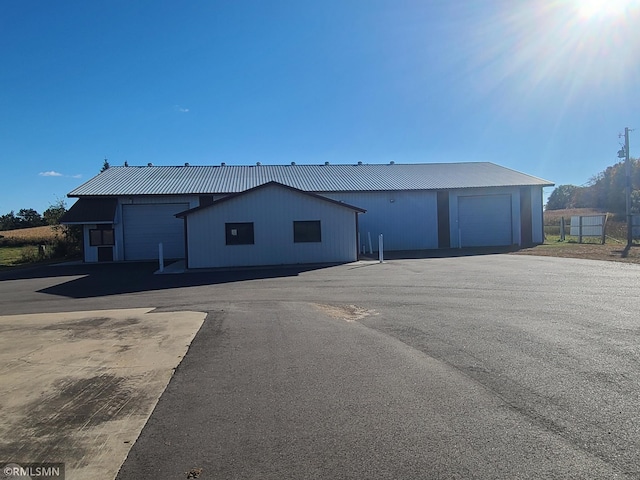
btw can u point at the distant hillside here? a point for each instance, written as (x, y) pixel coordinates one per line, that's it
(605, 191)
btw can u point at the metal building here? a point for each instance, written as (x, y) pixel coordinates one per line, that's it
(127, 211)
(271, 224)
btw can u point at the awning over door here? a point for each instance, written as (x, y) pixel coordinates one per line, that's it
(91, 210)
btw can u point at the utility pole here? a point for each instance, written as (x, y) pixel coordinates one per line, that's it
(627, 169)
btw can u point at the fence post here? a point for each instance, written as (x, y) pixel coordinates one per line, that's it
(580, 229)
(562, 228)
(380, 249)
(161, 256)
(604, 225)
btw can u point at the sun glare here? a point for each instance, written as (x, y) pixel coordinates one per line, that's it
(602, 8)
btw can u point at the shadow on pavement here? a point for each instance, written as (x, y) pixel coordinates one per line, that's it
(97, 280)
(441, 253)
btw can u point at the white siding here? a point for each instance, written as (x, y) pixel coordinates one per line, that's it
(272, 210)
(408, 220)
(145, 226)
(90, 253)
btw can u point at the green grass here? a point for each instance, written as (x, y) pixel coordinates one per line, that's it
(11, 256)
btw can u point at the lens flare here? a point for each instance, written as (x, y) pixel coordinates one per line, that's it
(589, 9)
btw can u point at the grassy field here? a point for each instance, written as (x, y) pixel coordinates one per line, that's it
(18, 247)
(14, 255)
(615, 247)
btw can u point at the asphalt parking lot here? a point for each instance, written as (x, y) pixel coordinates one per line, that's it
(490, 366)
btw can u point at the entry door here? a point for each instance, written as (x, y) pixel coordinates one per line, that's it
(105, 254)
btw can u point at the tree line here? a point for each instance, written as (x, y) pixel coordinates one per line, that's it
(28, 217)
(605, 191)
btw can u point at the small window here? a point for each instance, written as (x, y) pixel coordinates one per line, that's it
(239, 233)
(307, 231)
(103, 235)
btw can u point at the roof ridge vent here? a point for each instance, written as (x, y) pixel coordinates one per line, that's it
(326, 163)
(149, 164)
(359, 163)
(392, 162)
(223, 164)
(293, 164)
(186, 164)
(258, 164)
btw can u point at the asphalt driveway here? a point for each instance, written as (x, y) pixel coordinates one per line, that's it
(491, 366)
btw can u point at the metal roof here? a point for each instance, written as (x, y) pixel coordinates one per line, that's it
(171, 180)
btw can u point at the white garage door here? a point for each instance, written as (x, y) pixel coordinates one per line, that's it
(145, 226)
(485, 220)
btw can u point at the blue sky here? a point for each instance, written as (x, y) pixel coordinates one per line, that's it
(543, 87)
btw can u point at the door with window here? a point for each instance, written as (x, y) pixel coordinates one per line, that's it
(103, 239)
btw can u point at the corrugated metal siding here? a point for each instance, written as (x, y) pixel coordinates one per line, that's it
(163, 180)
(408, 220)
(272, 211)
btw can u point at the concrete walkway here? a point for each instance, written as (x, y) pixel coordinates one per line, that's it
(78, 387)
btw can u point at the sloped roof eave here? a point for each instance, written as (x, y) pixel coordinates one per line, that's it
(216, 203)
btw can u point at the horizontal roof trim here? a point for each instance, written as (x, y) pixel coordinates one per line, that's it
(202, 180)
(91, 210)
(264, 185)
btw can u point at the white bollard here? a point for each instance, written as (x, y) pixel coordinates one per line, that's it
(380, 249)
(161, 256)
(370, 245)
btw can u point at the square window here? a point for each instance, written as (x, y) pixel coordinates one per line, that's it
(307, 231)
(108, 237)
(103, 235)
(95, 238)
(239, 233)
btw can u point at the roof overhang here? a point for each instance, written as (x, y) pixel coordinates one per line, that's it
(225, 199)
(91, 210)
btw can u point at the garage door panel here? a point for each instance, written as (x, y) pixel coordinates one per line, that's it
(485, 220)
(145, 226)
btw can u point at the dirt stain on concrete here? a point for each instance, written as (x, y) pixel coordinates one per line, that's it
(79, 386)
(349, 313)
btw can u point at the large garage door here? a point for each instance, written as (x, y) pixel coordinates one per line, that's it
(485, 220)
(145, 226)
